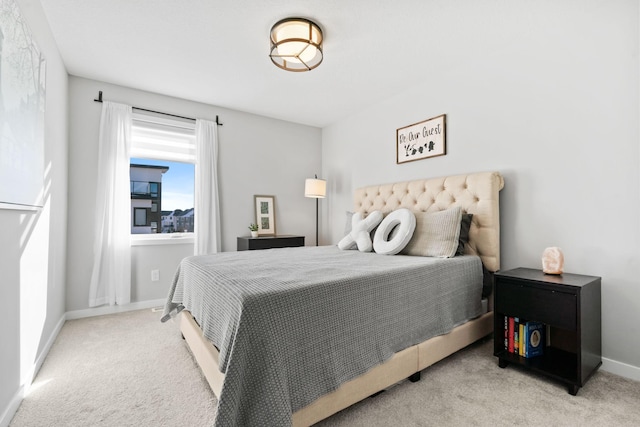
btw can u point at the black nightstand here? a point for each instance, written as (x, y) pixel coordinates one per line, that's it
(249, 243)
(569, 307)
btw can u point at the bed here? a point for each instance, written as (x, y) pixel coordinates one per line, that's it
(295, 343)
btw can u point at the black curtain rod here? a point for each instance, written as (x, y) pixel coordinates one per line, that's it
(157, 112)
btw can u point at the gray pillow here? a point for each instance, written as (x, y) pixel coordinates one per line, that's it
(436, 234)
(465, 224)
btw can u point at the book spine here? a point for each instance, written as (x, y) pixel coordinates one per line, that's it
(516, 336)
(536, 339)
(506, 332)
(510, 337)
(521, 339)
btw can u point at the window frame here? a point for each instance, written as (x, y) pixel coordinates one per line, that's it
(164, 238)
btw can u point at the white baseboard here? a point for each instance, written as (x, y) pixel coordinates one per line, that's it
(620, 368)
(12, 408)
(43, 355)
(111, 309)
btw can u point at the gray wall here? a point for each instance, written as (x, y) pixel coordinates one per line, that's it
(553, 106)
(33, 244)
(258, 155)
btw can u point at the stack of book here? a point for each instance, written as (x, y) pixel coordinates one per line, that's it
(523, 337)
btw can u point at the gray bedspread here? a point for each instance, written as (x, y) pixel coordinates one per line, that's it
(293, 324)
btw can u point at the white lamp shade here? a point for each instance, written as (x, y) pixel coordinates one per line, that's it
(316, 188)
(296, 51)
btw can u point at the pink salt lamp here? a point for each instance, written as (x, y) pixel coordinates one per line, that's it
(552, 260)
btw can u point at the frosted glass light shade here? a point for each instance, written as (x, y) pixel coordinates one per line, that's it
(315, 188)
(296, 44)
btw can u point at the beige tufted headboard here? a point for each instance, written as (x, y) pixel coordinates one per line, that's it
(476, 193)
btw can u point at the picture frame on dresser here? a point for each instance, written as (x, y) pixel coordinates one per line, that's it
(265, 208)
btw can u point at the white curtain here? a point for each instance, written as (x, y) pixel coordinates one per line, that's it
(207, 205)
(111, 277)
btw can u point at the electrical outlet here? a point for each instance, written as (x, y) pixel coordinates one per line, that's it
(155, 275)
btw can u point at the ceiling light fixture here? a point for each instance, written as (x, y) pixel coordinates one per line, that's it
(296, 44)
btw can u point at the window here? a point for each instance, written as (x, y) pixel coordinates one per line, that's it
(139, 188)
(139, 217)
(162, 170)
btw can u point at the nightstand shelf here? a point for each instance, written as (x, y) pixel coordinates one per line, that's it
(569, 307)
(555, 363)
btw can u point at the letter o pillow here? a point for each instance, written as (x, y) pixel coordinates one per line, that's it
(406, 222)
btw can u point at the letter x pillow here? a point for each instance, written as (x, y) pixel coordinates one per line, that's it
(360, 232)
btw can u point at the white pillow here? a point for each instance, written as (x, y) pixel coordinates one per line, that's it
(404, 223)
(360, 228)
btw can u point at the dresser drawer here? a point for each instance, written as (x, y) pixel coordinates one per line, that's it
(552, 307)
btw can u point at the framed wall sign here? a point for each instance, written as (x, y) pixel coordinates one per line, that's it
(421, 140)
(265, 215)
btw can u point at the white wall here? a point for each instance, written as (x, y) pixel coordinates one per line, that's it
(258, 155)
(33, 244)
(550, 99)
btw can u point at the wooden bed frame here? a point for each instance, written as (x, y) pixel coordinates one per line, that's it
(476, 194)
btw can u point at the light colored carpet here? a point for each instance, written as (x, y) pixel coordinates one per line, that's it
(125, 369)
(131, 370)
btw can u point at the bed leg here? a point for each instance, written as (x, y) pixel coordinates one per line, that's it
(415, 377)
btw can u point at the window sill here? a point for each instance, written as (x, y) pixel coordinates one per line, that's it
(162, 239)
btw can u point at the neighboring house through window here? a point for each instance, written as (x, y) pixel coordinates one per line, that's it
(146, 197)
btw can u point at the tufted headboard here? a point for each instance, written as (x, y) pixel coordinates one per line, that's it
(476, 193)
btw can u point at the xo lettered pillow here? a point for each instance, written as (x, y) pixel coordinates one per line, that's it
(404, 221)
(360, 229)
